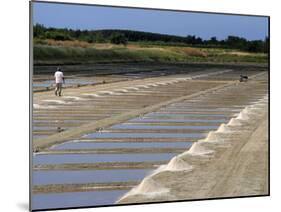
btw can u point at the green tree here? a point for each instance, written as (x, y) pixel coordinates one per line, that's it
(39, 30)
(214, 40)
(118, 38)
(236, 42)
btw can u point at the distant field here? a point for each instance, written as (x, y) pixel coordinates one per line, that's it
(81, 52)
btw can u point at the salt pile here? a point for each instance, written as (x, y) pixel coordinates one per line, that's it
(37, 106)
(198, 149)
(223, 128)
(61, 102)
(243, 116)
(234, 122)
(73, 97)
(147, 187)
(177, 164)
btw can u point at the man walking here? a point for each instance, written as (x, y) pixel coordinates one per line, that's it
(59, 79)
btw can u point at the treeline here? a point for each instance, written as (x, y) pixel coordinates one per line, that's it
(125, 36)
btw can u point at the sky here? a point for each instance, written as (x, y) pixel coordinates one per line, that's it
(203, 25)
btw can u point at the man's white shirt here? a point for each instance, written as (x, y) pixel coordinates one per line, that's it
(59, 77)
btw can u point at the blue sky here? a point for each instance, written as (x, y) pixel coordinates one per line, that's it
(166, 22)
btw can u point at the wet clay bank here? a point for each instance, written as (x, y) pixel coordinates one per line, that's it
(112, 160)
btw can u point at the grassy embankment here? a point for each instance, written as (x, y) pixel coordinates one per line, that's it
(79, 52)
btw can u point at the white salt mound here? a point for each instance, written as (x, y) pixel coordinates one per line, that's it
(243, 116)
(91, 94)
(259, 105)
(55, 101)
(254, 109)
(198, 149)
(178, 164)
(234, 122)
(121, 90)
(148, 187)
(72, 97)
(249, 111)
(37, 106)
(212, 136)
(223, 128)
(106, 92)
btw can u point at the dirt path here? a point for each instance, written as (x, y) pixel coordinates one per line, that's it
(247, 172)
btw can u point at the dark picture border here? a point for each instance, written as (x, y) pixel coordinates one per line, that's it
(128, 7)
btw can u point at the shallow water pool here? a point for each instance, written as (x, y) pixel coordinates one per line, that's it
(87, 176)
(112, 145)
(98, 158)
(75, 199)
